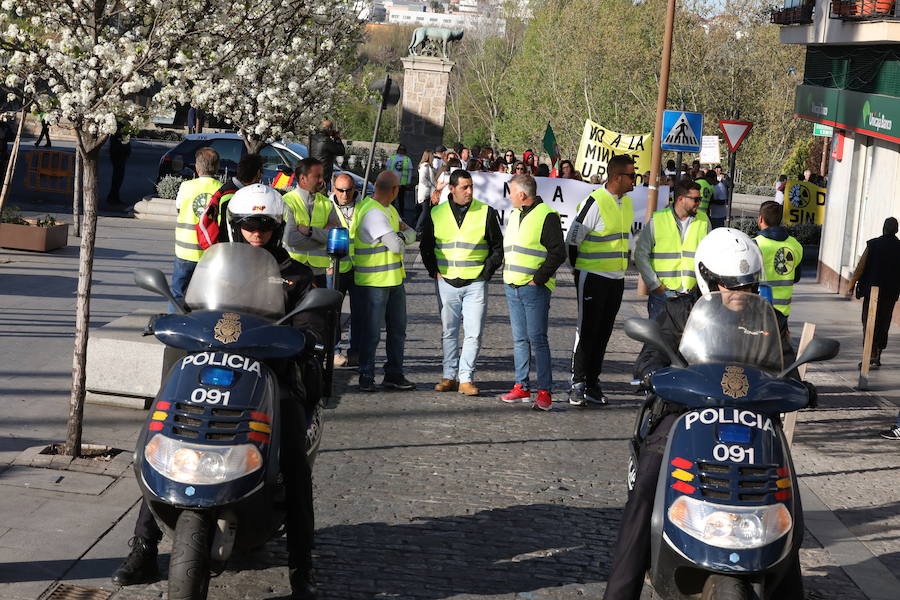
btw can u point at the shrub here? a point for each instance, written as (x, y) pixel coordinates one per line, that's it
(808, 234)
(12, 215)
(167, 187)
(746, 224)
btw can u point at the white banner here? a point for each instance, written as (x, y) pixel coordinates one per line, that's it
(709, 152)
(563, 195)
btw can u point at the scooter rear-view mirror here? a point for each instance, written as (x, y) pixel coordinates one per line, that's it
(154, 281)
(648, 332)
(316, 299)
(817, 350)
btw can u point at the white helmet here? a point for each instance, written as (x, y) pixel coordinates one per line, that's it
(258, 204)
(727, 257)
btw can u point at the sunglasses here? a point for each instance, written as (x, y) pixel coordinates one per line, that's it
(520, 169)
(694, 198)
(631, 175)
(344, 191)
(254, 227)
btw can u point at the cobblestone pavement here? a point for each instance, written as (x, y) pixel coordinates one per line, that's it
(423, 495)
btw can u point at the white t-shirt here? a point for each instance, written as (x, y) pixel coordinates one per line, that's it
(594, 222)
(374, 225)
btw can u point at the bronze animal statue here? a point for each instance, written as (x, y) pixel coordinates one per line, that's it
(429, 41)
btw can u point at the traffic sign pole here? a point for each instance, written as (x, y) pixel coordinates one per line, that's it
(389, 97)
(735, 132)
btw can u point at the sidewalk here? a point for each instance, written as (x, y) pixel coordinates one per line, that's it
(422, 495)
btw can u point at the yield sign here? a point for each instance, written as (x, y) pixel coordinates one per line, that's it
(735, 132)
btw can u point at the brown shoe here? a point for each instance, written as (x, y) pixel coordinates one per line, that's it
(446, 385)
(468, 388)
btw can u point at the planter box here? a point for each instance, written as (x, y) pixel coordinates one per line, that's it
(31, 237)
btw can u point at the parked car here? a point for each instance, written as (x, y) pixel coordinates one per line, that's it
(303, 151)
(277, 157)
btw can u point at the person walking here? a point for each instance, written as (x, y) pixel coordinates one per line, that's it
(533, 249)
(782, 255)
(598, 241)
(403, 165)
(380, 238)
(664, 253)
(424, 189)
(461, 247)
(190, 203)
(310, 217)
(119, 151)
(45, 130)
(325, 146)
(343, 198)
(878, 268)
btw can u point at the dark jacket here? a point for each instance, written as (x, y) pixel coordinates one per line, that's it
(882, 258)
(779, 234)
(672, 321)
(325, 148)
(493, 235)
(552, 240)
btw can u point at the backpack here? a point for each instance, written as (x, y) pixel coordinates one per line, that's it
(210, 221)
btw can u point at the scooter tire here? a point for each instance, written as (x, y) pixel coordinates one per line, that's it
(722, 587)
(189, 566)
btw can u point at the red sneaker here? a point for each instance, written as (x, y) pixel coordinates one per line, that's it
(517, 394)
(544, 401)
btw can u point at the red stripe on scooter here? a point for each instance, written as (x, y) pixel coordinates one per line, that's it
(156, 426)
(684, 487)
(258, 416)
(258, 437)
(783, 495)
(682, 463)
(163, 405)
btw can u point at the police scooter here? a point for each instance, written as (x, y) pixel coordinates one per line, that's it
(727, 519)
(207, 462)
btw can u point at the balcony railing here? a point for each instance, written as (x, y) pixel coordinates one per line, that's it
(865, 10)
(796, 15)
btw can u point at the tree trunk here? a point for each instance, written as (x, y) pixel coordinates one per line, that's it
(82, 306)
(76, 195)
(13, 157)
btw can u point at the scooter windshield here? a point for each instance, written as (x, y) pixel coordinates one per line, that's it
(237, 277)
(733, 327)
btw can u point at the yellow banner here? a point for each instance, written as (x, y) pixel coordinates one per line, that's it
(599, 144)
(804, 202)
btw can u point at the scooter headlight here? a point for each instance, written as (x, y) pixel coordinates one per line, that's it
(201, 464)
(733, 527)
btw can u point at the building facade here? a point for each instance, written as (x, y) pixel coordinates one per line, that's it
(851, 81)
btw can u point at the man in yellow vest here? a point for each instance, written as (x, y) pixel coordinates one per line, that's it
(533, 249)
(380, 238)
(190, 202)
(706, 190)
(343, 198)
(308, 220)
(403, 166)
(598, 242)
(461, 247)
(664, 253)
(782, 255)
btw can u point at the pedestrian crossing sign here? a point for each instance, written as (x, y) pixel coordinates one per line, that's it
(682, 131)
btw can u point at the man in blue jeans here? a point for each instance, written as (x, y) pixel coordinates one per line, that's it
(461, 247)
(379, 242)
(533, 249)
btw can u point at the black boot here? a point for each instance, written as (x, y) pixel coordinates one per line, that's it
(303, 586)
(140, 566)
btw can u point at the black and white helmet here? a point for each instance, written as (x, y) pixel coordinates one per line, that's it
(727, 257)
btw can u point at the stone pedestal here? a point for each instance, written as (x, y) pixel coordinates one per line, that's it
(425, 84)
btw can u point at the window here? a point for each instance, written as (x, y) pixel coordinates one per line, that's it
(272, 159)
(229, 150)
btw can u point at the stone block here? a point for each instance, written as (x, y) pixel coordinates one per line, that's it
(27, 456)
(58, 481)
(124, 367)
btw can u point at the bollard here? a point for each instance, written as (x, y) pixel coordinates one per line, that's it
(868, 340)
(790, 419)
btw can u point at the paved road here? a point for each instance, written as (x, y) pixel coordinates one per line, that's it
(419, 495)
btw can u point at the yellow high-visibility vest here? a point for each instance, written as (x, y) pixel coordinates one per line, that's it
(706, 194)
(523, 253)
(671, 258)
(780, 262)
(460, 250)
(375, 265)
(317, 258)
(193, 196)
(607, 251)
(347, 261)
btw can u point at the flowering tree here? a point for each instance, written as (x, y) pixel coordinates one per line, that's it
(94, 58)
(274, 67)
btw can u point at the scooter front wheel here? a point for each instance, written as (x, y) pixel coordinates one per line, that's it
(190, 563)
(722, 587)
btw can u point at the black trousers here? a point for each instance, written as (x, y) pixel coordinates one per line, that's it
(300, 521)
(599, 299)
(883, 315)
(118, 177)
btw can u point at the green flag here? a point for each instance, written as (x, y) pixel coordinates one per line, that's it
(550, 144)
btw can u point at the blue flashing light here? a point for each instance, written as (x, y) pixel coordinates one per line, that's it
(734, 434)
(338, 242)
(217, 376)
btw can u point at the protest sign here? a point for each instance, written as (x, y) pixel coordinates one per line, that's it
(563, 195)
(599, 144)
(804, 202)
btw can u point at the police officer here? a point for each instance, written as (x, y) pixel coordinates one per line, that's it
(403, 165)
(462, 247)
(664, 254)
(726, 259)
(598, 242)
(380, 238)
(256, 218)
(308, 220)
(193, 196)
(782, 255)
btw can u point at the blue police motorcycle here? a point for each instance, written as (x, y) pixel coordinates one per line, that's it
(208, 460)
(727, 519)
